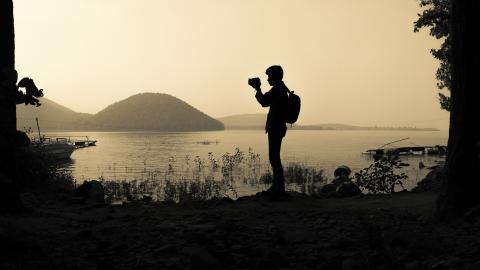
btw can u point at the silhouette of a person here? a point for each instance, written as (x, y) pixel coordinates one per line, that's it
(275, 127)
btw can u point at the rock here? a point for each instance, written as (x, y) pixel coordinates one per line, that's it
(340, 180)
(348, 189)
(91, 192)
(201, 259)
(432, 181)
(342, 171)
(328, 189)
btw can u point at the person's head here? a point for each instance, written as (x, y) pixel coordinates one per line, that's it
(275, 74)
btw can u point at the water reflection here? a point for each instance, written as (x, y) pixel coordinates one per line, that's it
(150, 155)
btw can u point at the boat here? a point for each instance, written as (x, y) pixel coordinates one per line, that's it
(61, 147)
(58, 149)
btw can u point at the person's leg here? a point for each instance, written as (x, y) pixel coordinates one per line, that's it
(274, 146)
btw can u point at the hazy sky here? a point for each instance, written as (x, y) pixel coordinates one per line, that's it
(351, 61)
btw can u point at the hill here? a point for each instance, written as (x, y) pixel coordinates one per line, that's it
(335, 126)
(52, 117)
(153, 111)
(148, 111)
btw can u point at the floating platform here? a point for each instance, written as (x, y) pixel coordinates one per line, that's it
(409, 150)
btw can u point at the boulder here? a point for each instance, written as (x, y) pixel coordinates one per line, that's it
(432, 181)
(342, 185)
(342, 171)
(91, 192)
(348, 189)
(340, 180)
(328, 189)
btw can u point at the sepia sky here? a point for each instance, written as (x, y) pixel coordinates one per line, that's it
(353, 62)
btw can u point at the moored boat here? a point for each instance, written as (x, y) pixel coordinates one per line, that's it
(58, 150)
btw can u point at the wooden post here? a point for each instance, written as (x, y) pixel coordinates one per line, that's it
(38, 128)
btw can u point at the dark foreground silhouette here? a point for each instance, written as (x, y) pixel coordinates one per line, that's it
(364, 232)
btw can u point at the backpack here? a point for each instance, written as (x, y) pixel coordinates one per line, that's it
(293, 107)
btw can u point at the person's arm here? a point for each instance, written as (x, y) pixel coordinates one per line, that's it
(263, 99)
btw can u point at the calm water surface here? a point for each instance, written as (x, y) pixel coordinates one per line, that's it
(132, 155)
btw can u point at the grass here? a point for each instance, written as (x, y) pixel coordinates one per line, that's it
(207, 178)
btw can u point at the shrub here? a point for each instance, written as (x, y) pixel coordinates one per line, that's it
(199, 179)
(380, 177)
(37, 170)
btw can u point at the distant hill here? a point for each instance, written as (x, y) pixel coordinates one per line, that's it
(148, 111)
(244, 121)
(52, 117)
(335, 126)
(257, 121)
(153, 111)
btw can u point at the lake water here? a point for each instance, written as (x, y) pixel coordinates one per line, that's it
(135, 155)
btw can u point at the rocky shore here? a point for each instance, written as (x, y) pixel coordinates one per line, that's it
(301, 232)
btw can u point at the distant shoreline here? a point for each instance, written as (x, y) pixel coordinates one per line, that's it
(339, 129)
(246, 128)
(257, 121)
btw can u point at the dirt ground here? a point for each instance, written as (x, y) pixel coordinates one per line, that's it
(301, 232)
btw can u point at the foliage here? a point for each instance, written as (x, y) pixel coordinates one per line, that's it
(37, 170)
(195, 190)
(29, 96)
(203, 179)
(380, 176)
(299, 177)
(194, 179)
(436, 16)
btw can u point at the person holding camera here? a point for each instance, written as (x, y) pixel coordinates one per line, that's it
(276, 128)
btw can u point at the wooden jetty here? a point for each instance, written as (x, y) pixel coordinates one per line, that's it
(407, 150)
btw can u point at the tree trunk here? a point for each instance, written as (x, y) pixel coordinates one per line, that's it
(461, 189)
(8, 193)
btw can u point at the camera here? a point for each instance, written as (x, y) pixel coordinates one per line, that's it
(254, 82)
